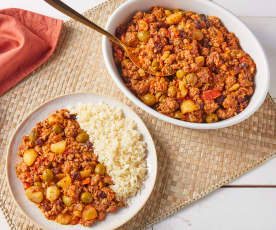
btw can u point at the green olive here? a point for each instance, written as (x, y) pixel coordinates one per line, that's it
(155, 63)
(191, 79)
(85, 173)
(158, 95)
(100, 169)
(57, 129)
(210, 118)
(166, 54)
(162, 98)
(33, 135)
(86, 197)
(125, 62)
(168, 12)
(47, 175)
(172, 90)
(149, 99)
(143, 36)
(179, 115)
(197, 35)
(180, 73)
(67, 200)
(143, 25)
(200, 60)
(38, 183)
(82, 137)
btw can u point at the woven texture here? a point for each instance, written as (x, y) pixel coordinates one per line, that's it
(191, 163)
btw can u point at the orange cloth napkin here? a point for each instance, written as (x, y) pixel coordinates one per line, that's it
(27, 40)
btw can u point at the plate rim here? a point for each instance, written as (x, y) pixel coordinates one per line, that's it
(8, 150)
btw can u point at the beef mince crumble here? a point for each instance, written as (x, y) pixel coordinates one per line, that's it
(214, 76)
(62, 175)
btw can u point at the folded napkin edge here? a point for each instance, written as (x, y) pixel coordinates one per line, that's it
(53, 39)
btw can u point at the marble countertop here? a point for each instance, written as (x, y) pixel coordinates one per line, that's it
(227, 208)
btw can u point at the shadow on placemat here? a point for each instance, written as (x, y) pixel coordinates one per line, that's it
(192, 163)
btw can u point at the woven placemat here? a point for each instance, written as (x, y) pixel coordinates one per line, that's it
(192, 163)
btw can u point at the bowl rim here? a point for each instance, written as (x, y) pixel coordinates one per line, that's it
(221, 124)
(7, 158)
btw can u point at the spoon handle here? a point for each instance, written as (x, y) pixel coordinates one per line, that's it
(62, 7)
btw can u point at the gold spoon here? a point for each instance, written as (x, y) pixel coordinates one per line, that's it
(62, 7)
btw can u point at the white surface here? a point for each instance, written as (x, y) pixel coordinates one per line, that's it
(112, 221)
(250, 7)
(247, 40)
(263, 175)
(233, 209)
(227, 209)
(43, 8)
(3, 223)
(265, 30)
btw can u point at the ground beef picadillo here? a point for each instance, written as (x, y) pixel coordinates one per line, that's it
(214, 77)
(62, 175)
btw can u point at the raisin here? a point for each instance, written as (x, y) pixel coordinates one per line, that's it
(206, 43)
(244, 104)
(59, 202)
(89, 145)
(237, 69)
(73, 116)
(157, 47)
(46, 206)
(76, 176)
(243, 65)
(241, 99)
(170, 78)
(56, 170)
(220, 99)
(238, 110)
(201, 105)
(197, 24)
(182, 34)
(102, 194)
(216, 71)
(39, 142)
(120, 30)
(203, 17)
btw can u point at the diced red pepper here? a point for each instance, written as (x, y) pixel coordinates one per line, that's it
(243, 59)
(119, 53)
(27, 185)
(86, 181)
(211, 94)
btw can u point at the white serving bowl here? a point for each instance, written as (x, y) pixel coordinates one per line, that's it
(247, 40)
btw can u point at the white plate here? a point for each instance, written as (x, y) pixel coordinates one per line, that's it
(113, 220)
